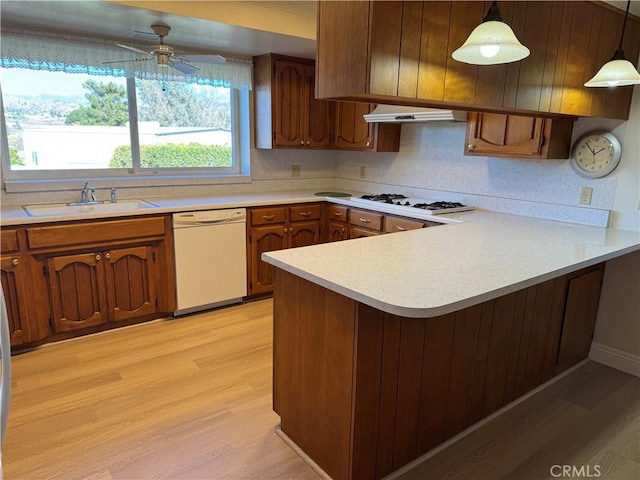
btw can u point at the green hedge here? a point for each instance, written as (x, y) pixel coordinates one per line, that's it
(174, 156)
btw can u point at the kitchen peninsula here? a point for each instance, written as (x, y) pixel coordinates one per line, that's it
(384, 347)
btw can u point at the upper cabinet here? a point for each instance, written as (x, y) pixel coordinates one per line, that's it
(400, 52)
(287, 114)
(501, 135)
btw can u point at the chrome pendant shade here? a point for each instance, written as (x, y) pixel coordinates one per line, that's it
(618, 71)
(491, 43)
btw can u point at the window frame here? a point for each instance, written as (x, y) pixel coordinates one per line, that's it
(32, 180)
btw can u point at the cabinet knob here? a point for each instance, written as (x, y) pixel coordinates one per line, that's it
(471, 146)
(301, 142)
(364, 220)
(15, 261)
(268, 217)
(308, 142)
(98, 257)
(107, 255)
(337, 214)
(368, 144)
(305, 214)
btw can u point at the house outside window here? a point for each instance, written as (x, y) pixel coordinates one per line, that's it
(73, 118)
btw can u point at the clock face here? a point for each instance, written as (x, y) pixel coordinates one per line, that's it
(595, 154)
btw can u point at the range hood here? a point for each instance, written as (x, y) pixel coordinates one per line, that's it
(402, 114)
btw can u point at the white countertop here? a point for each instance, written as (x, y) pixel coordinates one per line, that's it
(438, 270)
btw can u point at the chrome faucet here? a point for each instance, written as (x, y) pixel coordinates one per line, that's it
(88, 193)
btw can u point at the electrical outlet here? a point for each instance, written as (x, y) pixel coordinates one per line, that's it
(363, 172)
(585, 195)
(295, 170)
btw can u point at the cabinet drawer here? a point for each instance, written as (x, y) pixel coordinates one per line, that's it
(395, 224)
(362, 218)
(95, 232)
(304, 212)
(265, 216)
(8, 240)
(338, 213)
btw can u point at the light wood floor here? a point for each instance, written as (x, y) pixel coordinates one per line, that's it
(190, 398)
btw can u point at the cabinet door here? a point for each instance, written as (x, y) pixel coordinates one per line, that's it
(131, 282)
(338, 231)
(77, 290)
(15, 295)
(264, 239)
(302, 234)
(493, 133)
(352, 132)
(358, 232)
(581, 310)
(290, 96)
(318, 115)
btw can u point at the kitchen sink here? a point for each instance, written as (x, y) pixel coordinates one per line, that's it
(54, 209)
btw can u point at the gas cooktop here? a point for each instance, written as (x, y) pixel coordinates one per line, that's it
(399, 200)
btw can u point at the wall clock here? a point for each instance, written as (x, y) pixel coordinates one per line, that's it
(595, 154)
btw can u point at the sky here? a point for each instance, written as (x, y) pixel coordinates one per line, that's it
(18, 81)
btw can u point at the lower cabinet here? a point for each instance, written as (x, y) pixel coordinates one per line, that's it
(69, 278)
(14, 286)
(277, 228)
(337, 223)
(89, 289)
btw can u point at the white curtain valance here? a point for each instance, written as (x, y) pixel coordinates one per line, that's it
(55, 51)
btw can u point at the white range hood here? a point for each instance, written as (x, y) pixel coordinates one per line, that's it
(402, 114)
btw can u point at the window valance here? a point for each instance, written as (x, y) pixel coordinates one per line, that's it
(54, 51)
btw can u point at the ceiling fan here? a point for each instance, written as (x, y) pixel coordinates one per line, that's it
(165, 54)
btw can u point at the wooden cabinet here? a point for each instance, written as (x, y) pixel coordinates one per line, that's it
(277, 228)
(502, 135)
(14, 278)
(352, 132)
(337, 223)
(400, 52)
(580, 312)
(365, 223)
(69, 278)
(89, 289)
(287, 114)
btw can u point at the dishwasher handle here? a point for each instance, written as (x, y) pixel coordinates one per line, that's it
(211, 217)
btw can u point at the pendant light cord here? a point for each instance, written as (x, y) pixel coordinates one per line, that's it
(624, 24)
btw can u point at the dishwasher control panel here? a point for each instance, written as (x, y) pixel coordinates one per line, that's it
(209, 216)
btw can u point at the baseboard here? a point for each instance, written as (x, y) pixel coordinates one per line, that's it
(614, 358)
(306, 458)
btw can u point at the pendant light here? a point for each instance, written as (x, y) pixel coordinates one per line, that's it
(618, 71)
(492, 42)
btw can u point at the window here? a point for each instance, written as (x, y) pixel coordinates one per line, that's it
(72, 120)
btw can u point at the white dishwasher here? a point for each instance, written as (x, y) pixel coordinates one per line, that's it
(211, 258)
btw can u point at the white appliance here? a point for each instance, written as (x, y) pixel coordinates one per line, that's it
(5, 371)
(211, 258)
(404, 114)
(402, 205)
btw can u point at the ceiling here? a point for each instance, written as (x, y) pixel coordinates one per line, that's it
(116, 21)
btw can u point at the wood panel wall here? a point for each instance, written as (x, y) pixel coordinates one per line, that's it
(364, 392)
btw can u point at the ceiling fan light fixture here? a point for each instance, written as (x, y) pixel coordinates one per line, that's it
(492, 42)
(618, 71)
(163, 60)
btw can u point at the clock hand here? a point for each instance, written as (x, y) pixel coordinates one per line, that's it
(595, 153)
(590, 149)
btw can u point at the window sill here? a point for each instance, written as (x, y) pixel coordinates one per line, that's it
(20, 186)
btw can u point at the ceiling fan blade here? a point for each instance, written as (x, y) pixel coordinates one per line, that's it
(144, 35)
(184, 67)
(134, 49)
(203, 58)
(130, 60)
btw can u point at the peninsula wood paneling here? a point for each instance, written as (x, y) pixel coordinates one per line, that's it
(364, 392)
